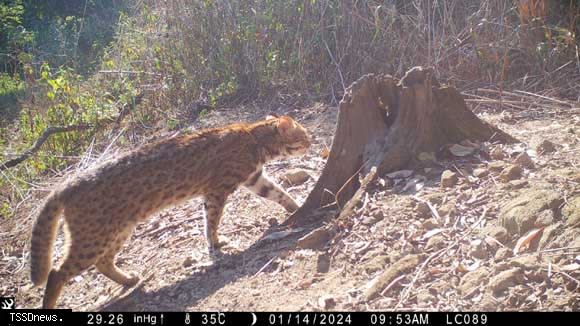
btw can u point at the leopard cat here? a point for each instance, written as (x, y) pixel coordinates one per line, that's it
(101, 207)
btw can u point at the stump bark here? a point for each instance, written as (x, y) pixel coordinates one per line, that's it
(386, 125)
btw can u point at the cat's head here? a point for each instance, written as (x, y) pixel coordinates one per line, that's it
(293, 137)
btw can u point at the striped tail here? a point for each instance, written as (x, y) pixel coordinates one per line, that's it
(43, 236)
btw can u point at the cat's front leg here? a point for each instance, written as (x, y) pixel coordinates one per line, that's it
(264, 187)
(214, 206)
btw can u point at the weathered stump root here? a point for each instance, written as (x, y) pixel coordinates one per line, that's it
(383, 126)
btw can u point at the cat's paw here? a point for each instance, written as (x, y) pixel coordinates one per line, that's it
(133, 279)
(291, 207)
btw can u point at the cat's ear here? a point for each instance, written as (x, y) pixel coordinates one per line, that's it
(285, 124)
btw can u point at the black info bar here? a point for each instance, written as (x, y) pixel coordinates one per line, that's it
(68, 317)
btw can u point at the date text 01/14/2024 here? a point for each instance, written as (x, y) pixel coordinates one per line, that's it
(380, 319)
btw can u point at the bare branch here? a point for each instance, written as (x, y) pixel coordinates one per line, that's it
(43, 137)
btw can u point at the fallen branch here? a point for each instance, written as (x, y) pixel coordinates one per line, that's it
(43, 138)
(129, 72)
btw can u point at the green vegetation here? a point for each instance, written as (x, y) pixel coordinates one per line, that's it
(121, 65)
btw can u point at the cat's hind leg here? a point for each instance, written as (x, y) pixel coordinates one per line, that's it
(106, 263)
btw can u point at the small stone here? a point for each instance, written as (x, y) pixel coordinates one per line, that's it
(545, 146)
(497, 166)
(548, 235)
(502, 254)
(480, 172)
(435, 198)
(326, 302)
(272, 221)
(423, 210)
(447, 209)
(188, 262)
(369, 220)
(571, 211)
(376, 264)
(296, 176)
(525, 161)
(512, 172)
(425, 298)
(545, 218)
(430, 224)
(505, 280)
(315, 239)
(497, 154)
(436, 242)
(471, 281)
(488, 304)
(375, 217)
(497, 232)
(378, 215)
(517, 184)
(478, 249)
(527, 262)
(323, 263)
(448, 179)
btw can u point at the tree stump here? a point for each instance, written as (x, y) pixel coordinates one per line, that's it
(384, 126)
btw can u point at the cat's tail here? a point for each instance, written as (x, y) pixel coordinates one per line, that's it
(43, 236)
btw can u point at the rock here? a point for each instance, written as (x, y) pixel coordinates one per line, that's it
(315, 239)
(545, 146)
(447, 209)
(296, 176)
(323, 263)
(502, 254)
(423, 210)
(525, 161)
(506, 279)
(435, 198)
(517, 184)
(497, 232)
(571, 211)
(375, 217)
(430, 224)
(548, 235)
(448, 179)
(511, 172)
(488, 303)
(326, 302)
(404, 266)
(378, 214)
(473, 280)
(519, 215)
(376, 264)
(497, 154)
(272, 221)
(496, 166)
(188, 262)
(425, 298)
(478, 249)
(545, 218)
(436, 242)
(400, 174)
(527, 262)
(480, 172)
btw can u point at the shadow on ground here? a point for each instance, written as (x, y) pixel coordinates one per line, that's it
(209, 279)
